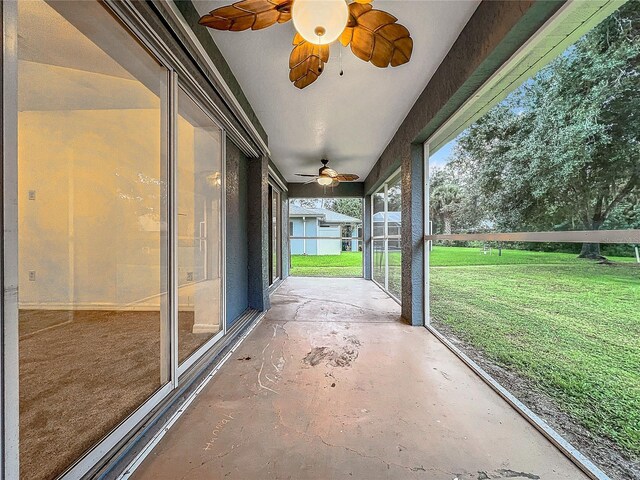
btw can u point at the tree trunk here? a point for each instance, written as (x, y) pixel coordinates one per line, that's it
(447, 223)
(591, 251)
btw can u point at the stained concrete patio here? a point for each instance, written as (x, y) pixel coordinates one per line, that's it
(331, 385)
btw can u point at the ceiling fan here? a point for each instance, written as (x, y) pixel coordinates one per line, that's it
(374, 35)
(328, 177)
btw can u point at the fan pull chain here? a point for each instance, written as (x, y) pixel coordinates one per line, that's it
(320, 67)
(340, 54)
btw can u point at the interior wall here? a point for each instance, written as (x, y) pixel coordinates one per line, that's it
(98, 223)
(237, 233)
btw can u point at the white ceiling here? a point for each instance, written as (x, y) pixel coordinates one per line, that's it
(348, 119)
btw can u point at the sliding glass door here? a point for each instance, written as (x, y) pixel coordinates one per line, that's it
(92, 230)
(117, 178)
(275, 234)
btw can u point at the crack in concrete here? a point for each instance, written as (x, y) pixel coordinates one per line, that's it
(419, 468)
(333, 301)
(505, 473)
(298, 308)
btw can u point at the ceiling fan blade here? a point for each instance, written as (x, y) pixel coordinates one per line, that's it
(306, 61)
(376, 37)
(347, 177)
(253, 14)
(306, 175)
(329, 172)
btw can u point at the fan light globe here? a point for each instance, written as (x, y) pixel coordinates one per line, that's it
(325, 181)
(320, 21)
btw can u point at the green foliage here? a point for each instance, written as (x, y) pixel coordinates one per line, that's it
(563, 151)
(348, 206)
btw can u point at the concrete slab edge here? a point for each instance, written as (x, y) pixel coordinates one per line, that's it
(572, 453)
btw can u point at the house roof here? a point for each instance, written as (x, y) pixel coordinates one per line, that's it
(327, 216)
(392, 217)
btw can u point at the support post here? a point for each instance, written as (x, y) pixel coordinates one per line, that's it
(413, 190)
(258, 228)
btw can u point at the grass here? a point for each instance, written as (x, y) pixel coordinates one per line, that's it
(570, 326)
(347, 264)
(465, 256)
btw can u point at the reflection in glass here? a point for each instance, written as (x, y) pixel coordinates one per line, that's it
(199, 180)
(92, 230)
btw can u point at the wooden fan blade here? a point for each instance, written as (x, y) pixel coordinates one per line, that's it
(376, 37)
(253, 14)
(306, 61)
(306, 175)
(329, 172)
(347, 177)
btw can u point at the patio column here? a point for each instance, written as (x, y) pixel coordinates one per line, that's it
(412, 234)
(258, 228)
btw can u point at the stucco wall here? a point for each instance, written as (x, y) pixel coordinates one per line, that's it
(237, 234)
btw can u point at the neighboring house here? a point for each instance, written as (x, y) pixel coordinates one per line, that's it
(320, 222)
(394, 222)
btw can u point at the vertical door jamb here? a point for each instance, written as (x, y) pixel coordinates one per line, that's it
(9, 373)
(426, 225)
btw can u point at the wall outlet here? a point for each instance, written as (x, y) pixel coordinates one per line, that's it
(32, 194)
(189, 276)
(32, 275)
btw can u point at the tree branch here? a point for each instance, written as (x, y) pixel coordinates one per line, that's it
(626, 190)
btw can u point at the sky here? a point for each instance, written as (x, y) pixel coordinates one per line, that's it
(442, 156)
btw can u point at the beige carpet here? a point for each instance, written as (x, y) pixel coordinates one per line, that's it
(81, 373)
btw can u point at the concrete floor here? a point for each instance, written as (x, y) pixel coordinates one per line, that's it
(339, 388)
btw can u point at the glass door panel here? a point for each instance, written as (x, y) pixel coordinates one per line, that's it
(199, 178)
(275, 250)
(92, 230)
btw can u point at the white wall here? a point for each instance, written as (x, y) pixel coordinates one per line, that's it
(92, 234)
(326, 246)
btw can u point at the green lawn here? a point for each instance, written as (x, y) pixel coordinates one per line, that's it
(347, 264)
(571, 326)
